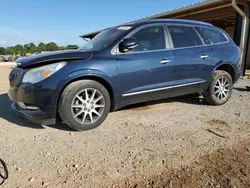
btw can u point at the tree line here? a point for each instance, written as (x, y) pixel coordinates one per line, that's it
(32, 48)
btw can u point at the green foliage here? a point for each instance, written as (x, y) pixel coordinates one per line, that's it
(18, 49)
(2, 51)
(32, 48)
(26, 48)
(41, 47)
(51, 46)
(72, 46)
(10, 50)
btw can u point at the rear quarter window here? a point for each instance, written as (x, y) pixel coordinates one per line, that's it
(211, 36)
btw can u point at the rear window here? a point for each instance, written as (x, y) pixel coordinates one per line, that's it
(184, 36)
(211, 36)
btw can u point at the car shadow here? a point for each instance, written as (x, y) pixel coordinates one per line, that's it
(7, 114)
(10, 116)
(194, 99)
(242, 89)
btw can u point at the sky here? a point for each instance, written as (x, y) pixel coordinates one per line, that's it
(62, 21)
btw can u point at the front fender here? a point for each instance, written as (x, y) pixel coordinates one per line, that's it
(80, 74)
(89, 72)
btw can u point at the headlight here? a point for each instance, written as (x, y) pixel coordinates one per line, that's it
(38, 74)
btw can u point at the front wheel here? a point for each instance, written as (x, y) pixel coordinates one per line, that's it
(220, 88)
(84, 104)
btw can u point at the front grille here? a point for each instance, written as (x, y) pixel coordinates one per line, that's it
(15, 77)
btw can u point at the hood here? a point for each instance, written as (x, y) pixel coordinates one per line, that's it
(48, 57)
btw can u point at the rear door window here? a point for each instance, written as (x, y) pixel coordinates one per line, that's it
(211, 36)
(184, 36)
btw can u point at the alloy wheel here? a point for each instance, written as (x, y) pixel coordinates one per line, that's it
(222, 88)
(88, 106)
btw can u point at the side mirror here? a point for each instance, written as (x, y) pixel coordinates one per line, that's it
(127, 44)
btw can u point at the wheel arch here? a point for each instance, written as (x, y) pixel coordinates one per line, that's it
(228, 68)
(96, 78)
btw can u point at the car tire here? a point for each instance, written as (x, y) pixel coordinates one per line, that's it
(84, 104)
(220, 88)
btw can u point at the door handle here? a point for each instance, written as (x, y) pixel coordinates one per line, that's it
(204, 56)
(165, 61)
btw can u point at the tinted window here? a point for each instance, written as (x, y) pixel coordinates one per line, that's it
(105, 38)
(184, 36)
(211, 36)
(150, 38)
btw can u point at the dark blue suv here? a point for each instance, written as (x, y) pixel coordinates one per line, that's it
(122, 65)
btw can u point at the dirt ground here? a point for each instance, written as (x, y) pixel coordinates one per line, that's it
(179, 142)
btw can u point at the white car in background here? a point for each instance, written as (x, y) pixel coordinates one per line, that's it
(8, 58)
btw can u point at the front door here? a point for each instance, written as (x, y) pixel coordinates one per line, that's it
(146, 72)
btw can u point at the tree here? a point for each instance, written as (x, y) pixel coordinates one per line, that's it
(41, 47)
(2, 51)
(32, 47)
(72, 46)
(9, 51)
(26, 47)
(18, 49)
(61, 48)
(51, 46)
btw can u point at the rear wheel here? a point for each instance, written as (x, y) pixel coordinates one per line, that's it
(220, 88)
(84, 104)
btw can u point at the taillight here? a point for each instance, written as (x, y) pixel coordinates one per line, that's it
(239, 65)
(240, 50)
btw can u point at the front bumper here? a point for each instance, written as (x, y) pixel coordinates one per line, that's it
(31, 95)
(35, 116)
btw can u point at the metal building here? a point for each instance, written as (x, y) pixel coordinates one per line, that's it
(230, 15)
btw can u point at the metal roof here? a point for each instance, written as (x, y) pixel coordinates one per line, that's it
(199, 5)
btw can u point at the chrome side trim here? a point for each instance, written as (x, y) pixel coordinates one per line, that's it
(146, 91)
(192, 83)
(160, 89)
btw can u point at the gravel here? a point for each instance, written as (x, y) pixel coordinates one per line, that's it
(131, 146)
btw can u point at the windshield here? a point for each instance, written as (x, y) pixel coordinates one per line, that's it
(105, 38)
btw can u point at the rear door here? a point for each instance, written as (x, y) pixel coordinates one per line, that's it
(190, 58)
(217, 46)
(146, 72)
